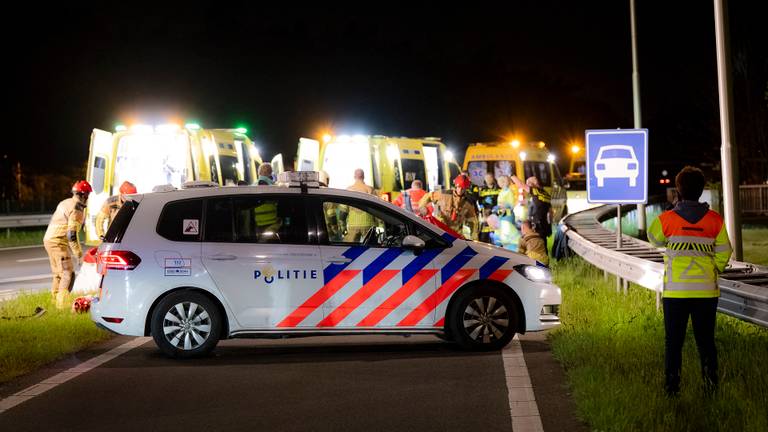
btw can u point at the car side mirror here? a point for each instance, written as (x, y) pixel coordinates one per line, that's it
(413, 243)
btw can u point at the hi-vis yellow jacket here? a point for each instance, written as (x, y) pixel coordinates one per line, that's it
(695, 253)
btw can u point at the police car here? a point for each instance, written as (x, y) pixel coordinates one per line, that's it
(193, 266)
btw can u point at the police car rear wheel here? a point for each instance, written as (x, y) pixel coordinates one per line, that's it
(186, 324)
(483, 319)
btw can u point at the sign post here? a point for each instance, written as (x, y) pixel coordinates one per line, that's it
(617, 171)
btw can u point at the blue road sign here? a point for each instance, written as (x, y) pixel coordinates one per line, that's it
(617, 166)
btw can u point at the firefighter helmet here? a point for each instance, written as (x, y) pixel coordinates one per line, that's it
(81, 304)
(462, 181)
(127, 188)
(82, 187)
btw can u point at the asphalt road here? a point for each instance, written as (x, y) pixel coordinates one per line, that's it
(23, 269)
(369, 383)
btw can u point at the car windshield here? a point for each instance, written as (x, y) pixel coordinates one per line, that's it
(616, 154)
(478, 170)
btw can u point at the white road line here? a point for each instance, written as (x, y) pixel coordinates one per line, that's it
(26, 278)
(25, 260)
(49, 383)
(522, 402)
(20, 247)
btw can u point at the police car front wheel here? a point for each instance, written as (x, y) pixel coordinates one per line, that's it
(483, 318)
(186, 324)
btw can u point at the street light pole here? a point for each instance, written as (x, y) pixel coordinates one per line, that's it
(728, 150)
(641, 222)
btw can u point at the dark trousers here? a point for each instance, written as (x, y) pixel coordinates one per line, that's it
(703, 313)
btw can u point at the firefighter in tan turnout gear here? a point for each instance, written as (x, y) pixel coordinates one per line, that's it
(110, 208)
(453, 208)
(61, 236)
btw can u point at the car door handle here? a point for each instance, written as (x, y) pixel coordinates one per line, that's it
(339, 260)
(223, 257)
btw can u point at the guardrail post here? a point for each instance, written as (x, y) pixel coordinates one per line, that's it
(618, 242)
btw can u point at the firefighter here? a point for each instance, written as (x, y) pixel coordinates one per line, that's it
(487, 198)
(452, 207)
(409, 199)
(110, 208)
(539, 206)
(62, 236)
(697, 249)
(532, 245)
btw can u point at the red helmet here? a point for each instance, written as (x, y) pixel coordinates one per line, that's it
(81, 304)
(127, 188)
(82, 187)
(462, 181)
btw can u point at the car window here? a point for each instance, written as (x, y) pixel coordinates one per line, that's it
(254, 219)
(477, 170)
(540, 170)
(356, 223)
(180, 220)
(616, 154)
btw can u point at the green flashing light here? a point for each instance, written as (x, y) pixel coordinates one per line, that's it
(120, 128)
(192, 126)
(242, 130)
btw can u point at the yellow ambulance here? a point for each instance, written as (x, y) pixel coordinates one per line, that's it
(522, 160)
(169, 154)
(390, 164)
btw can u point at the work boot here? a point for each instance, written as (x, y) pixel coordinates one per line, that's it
(672, 386)
(710, 382)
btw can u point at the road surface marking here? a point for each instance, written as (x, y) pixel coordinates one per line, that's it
(60, 378)
(26, 278)
(20, 247)
(522, 402)
(31, 259)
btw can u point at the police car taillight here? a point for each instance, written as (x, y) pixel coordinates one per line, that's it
(119, 260)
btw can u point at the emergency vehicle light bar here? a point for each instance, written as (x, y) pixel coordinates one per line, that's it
(198, 184)
(299, 179)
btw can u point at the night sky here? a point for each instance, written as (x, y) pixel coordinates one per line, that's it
(544, 70)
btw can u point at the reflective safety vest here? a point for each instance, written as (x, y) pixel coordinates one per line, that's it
(265, 214)
(695, 253)
(487, 196)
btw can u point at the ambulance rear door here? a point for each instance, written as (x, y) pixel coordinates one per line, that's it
(308, 156)
(99, 175)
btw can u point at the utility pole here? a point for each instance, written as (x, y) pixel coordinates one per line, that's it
(641, 222)
(728, 150)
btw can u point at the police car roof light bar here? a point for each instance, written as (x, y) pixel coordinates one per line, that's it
(302, 179)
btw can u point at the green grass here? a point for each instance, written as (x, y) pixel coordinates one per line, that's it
(612, 348)
(27, 344)
(21, 237)
(755, 243)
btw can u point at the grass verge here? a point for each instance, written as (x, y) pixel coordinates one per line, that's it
(27, 344)
(21, 237)
(612, 348)
(755, 242)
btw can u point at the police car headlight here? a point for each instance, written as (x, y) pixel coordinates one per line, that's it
(534, 273)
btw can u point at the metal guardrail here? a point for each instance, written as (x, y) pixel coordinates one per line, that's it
(21, 221)
(754, 199)
(743, 286)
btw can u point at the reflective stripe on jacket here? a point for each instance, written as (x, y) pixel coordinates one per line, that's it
(695, 253)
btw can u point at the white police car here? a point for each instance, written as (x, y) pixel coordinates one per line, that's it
(193, 266)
